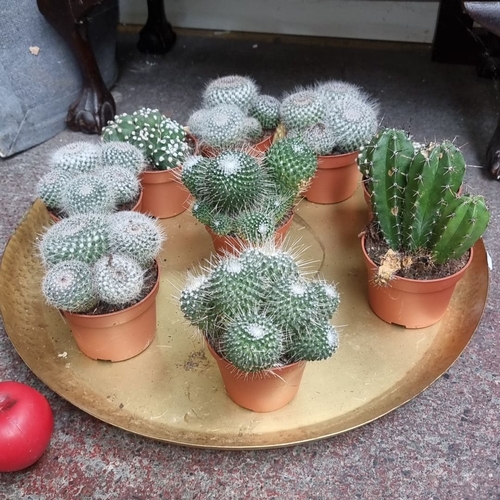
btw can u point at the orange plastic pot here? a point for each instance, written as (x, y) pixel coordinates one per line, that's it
(262, 392)
(336, 179)
(116, 336)
(164, 195)
(234, 244)
(408, 302)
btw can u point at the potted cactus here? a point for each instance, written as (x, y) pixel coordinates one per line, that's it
(262, 319)
(165, 145)
(86, 177)
(420, 240)
(234, 114)
(241, 198)
(102, 274)
(335, 119)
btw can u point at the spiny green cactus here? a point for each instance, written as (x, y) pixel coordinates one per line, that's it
(353, 121)
(302, 109)
(233, 89)
(123, 183)
(252, 128)
(291, 163)
(334, 91)
(88, 193)
(77, 157)
(69, 286)
(136, 235)
(259, 311)
(194, 172)
(79, 237)
(320, 138)
(161, 139)
(255, 226)
(118, 279)
(124, 155)
(51, 187)
(266, 109)
(221, 223)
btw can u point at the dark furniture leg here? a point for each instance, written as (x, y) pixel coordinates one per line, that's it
(96, 105)
(157, 36)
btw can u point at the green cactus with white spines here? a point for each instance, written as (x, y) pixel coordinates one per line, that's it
(88, 193)
(334, 91)
(319, 137)
(302, 109)
(250, 306)
(124, 155)
(221, 223)
(194, 173)
(51, 187)
(124, 183)
(162, 140)
(255, 226)
(79, 237)
(69, 286)
(414, 196)
(252, 128)
(233, 89)
(77, 157)
(291, 163)
(118, 279)
(135, 235)
(266, 109)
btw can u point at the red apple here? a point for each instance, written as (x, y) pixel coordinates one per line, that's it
(26, 424)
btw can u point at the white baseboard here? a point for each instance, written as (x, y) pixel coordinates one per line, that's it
(362, 19)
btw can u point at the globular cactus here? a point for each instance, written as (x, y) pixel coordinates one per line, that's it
(124, 183)
(252, 128)
(80, 237)
(334, 91)
(319, 137)
(266, 109)
(118, 279)
(77, 157)
(291, 163)
(233, 89)
(51, 187)
(353, 121)
(88, 193)
(124, 155)
(69, 286)
(194, 172)
(302, 109)
(259, 311)
(135, 235)
(255, 225)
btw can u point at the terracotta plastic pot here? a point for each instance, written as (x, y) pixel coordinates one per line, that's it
(256, 150)
(116, 336)
(408, 302)
(264, 391)
(233, 244)
(164, 194)
(336, 179)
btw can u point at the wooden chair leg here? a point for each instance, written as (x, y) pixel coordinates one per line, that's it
(95, 105)
(157, 35)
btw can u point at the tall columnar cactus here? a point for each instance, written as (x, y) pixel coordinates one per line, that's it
(266, 109)
(124, 155)
(136, 235)
(259, 311)
(118, 279)
(69, 286)
(51, 187)
(80, 237)
(233, 89)
(88, 193)
(302, 109)
(123, 182)
(77, 157)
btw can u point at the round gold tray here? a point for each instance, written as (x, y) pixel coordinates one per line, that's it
(173, 391)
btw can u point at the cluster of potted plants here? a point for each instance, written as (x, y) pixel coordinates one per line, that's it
(246, 161)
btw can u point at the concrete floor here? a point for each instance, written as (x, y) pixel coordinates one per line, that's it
(444, 444)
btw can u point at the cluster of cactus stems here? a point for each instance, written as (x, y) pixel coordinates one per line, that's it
(233, 113)
(87, 177)
(414, 196)
(162, 140)
(259, 311)
(91, 259)
(331, 117)
(236, 194)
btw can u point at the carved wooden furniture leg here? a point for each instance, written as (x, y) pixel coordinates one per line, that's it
(95, 106)
(157, 36)
(487, 14)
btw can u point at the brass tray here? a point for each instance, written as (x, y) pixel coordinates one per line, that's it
(173, 391)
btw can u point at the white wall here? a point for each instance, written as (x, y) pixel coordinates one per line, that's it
(366, 19)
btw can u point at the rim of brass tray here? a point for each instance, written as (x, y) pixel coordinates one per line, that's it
(27, 320)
